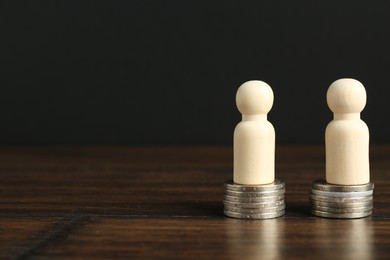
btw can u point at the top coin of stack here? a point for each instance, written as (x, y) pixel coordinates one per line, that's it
(254, 201)
(341, 201)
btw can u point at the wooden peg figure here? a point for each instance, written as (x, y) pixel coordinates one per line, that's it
(347, 136)
(254, 136)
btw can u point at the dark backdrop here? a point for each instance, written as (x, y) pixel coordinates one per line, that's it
(166, 72)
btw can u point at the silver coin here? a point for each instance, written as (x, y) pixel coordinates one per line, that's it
(324, 186)
(251, 205)
(276, 185)
(256, 211)
(341, 199)
(260, 199)
(254, 216)
(341, 205)
(255, 194)
(253, 199)
(342, 210)
(341, 215)
(342, 194)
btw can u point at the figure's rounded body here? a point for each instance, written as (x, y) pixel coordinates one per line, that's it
(254, 152)
(347, 152)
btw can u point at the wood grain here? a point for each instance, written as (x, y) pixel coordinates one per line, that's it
(143, 202)
(225, 238)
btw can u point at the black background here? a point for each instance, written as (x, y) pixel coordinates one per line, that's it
(166, 72)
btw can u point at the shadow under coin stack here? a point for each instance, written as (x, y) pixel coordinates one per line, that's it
(254, 201)
(341, 201)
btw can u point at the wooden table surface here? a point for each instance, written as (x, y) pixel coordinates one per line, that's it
(166, 202)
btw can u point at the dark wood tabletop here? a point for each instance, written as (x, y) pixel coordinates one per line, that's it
(166, 202)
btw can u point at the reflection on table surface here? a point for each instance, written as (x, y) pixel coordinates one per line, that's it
(277, 238)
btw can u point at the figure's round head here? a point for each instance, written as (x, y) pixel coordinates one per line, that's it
(346, 96)
(254, 97)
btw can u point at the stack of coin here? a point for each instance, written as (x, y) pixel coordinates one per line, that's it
(341, 201)
(254, 201)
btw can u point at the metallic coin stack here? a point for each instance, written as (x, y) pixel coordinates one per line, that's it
(254, 201)
(341, 201)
